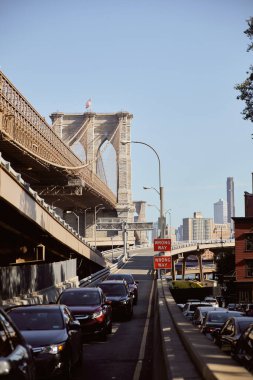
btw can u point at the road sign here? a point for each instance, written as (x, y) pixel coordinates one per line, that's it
(162, 245)
(162, 262)
(117, 224)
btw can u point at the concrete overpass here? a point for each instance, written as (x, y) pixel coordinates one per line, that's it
(31, 230)
(182, 250)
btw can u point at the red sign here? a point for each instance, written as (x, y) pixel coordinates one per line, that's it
(162, 245)
(162, 262)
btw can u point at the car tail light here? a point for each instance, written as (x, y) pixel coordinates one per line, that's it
(209, 329)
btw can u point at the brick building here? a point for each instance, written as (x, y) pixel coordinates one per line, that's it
(244, 252)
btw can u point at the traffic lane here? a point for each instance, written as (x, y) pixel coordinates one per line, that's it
(117, 357)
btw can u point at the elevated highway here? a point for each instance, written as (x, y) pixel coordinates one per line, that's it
(32, 231)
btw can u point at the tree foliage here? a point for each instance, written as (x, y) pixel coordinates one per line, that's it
(246, 87)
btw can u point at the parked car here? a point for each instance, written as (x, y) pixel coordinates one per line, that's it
(190, 307)
(89, 306)
(55, 337)
(249, 309)
(215, 319)
(16, 358)
(201, 312)
(231, 331)
(233, 306)
(132, 284)
(211, 300)
(242, 351)
(117, 292)
(181, 306)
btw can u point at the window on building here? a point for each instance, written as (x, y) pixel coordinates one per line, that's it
(249, 268)
(249, 242)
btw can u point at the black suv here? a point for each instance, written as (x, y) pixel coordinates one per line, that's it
(16, 359)
(118, 294)
(131, 283)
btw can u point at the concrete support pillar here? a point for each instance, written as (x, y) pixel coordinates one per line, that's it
(124, 191)
(173, 268)
(201, 277)
(90, 144)
(183, 268)
(140, 208)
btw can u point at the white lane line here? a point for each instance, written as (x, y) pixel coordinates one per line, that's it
(139, 364)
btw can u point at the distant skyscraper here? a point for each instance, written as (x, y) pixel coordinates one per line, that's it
(230, 199)
(220, 212)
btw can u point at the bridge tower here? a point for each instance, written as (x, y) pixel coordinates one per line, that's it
(91, 131)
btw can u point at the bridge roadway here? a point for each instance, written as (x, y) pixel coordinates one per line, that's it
(158, 343)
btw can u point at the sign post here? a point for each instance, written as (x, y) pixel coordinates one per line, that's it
(162, 262)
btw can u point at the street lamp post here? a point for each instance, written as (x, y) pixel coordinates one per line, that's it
(97, 209)
(77, 217)
(162, 227)
(112, 249)
(85, 224)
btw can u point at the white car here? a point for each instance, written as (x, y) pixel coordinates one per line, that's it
(190, 307)
(212, 301)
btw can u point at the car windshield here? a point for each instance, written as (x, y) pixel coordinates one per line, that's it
(243, 325)
(217, 317)
(128, 278)
(37, 319)
(193, 307)
(80, 298)
(113, 289)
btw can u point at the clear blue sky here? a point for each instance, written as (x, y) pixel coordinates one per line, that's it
(172, 63)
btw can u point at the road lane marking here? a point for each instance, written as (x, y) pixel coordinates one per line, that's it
(139, 364)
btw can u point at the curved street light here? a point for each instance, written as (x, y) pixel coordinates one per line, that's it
(149, 188)
(160, 192)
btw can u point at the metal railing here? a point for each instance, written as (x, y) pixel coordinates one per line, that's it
(99, 276)
(24, 126)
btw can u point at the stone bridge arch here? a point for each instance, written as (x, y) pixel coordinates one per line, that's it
(92, 130)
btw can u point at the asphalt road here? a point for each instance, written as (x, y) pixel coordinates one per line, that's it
(129, 351)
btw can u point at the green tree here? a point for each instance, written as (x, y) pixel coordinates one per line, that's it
(246, 87)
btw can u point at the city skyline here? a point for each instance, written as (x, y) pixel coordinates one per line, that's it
(220, 207)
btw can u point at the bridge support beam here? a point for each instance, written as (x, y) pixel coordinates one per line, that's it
(199, 256)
